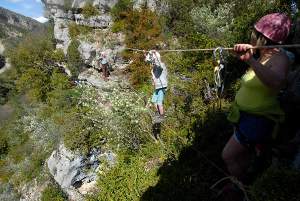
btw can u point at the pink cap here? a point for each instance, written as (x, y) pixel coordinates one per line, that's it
(275, 26)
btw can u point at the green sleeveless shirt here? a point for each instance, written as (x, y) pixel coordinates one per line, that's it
(255, 98)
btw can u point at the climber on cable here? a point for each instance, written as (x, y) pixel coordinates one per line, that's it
(159, 80)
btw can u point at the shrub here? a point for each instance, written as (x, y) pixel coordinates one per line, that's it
(118, 26)
(118, 118)
(131, 177)
(60, 97)
(76, 30)
(89, 10)
(6, 86)
(67, 4)
(216, 23)
(74, 61)
(53, 193)
(277, 185)
(3, 144)
(35, 82)
(121, 9)
(143, 31)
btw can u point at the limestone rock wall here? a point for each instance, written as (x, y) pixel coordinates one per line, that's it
(63, 13)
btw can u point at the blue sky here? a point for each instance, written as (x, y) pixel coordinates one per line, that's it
(30, 8)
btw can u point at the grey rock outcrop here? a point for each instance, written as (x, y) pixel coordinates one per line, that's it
(101, 21)
(71, 171)
(65, 12)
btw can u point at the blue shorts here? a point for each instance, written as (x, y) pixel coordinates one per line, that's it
(158, 96)
(253, 129)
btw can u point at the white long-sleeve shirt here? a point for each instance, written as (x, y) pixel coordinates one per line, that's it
(159, 70)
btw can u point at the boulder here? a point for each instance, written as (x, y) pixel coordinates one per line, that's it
(61, 34)
(73, 171)
(87, 51)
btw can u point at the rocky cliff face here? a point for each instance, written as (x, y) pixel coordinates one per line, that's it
(77, 174)
(14, 25)
(66, 12)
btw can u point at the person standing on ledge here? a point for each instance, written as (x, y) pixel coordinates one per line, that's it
(104, 66)
(159, 80)
(256, 110)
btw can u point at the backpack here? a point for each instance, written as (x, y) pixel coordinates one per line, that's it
(290, 97)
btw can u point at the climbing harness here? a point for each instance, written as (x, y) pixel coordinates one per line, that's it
(216, 92)
(219, 71)
(208, 92)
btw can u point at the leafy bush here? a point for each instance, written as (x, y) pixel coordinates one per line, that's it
(76, 30)
(142, 31)
(3, 144)
(6, 87)
(277, 185)
(120, 10)
(60, 95)
(118, 26)
(74, 61)
(89, 10)
(67, 5)
(53, 193)
(98, 112)
(33, 61)
(35, 82)
(130, 178)
(216, 23)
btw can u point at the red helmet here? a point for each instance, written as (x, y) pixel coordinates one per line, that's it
(275, 26)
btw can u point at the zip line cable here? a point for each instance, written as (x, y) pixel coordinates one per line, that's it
(213, 49)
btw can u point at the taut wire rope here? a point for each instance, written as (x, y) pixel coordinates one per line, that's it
(213, 49)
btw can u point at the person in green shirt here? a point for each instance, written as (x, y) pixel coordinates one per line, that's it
(256, 110)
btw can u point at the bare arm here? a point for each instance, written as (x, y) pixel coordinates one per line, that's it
(273, 76)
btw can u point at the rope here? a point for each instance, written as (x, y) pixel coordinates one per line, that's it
(236, 182)
(213, 49)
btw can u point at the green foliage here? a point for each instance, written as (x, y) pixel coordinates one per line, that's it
(60, 97)
(89, 10)
(277, 185)
(178, 19)
(35, 82)
(53, 193)
(27, 138)
(67, 4)
(131, 177)
(3, 144)
(94, 121)
(76, 30)
(6, 87)
(143, 31)
(121, 9)
(216, 23)
(118, 26)
(34, 60)
(74, 61)
(245, 19)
